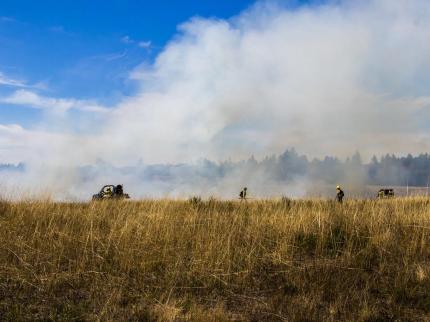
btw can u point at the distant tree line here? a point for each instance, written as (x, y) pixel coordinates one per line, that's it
(286, 167)
(289, 166)
(12, 167)
(387, 170)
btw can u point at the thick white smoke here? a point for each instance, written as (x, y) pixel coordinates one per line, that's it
(331, 79)
(327, 79)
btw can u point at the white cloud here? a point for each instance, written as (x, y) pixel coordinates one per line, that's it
(13, 82)
(8, 81)
(145, 44)
(18, 144)
(127, 40)
(31, 99)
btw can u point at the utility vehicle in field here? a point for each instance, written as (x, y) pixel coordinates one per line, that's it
(111, 192)
(385, 193)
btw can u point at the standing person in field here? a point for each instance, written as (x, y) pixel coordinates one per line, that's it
(242, 194)
(339, 194)
(118, 190)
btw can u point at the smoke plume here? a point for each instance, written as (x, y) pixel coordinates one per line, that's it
(330, 79)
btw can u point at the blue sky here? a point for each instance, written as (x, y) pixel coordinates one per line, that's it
(86, 49)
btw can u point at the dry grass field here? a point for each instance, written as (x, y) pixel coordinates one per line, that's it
(304, 260)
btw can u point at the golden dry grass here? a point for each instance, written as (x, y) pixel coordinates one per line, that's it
(307, 260)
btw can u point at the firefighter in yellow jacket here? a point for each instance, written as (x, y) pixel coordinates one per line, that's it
(339, 194)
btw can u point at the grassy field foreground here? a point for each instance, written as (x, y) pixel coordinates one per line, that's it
(216, 261)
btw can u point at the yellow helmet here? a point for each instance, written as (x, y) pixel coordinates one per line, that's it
(337, 187)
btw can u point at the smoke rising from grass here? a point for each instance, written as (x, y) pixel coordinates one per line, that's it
(327, 79)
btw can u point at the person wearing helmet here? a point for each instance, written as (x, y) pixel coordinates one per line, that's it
(119, 191)
(339, 194)
(242, 194)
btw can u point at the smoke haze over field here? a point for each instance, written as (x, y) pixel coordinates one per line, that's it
(288, 174)
(328, 79)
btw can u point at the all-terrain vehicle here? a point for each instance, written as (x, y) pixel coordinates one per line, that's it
(385, 193)
(111, 192)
